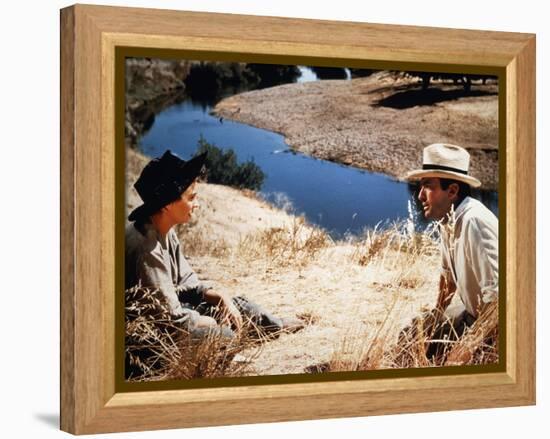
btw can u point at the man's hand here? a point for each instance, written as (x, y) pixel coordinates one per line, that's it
(485, 327)
(424, 324)
(447, 289)
(458, 356)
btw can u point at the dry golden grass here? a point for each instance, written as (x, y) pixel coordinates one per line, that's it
(395, 257)
(198, 240)
(355, 294)
(294, 245)
(157, 348)
(398, 237)
(360, 352)
(480, 342)
(389, 346)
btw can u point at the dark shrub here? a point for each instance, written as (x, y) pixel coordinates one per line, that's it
(269, 75)
(361, 73)
(209, 81)
(223, 168)
(330, 72)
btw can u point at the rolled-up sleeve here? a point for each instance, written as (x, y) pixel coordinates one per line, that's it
(187, 279)
(482, 251)
(445, 269)
(154, 273)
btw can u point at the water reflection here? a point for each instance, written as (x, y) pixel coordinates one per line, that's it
(207, 83)
(340, 198)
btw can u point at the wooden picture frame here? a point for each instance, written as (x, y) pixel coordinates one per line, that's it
(91, 402)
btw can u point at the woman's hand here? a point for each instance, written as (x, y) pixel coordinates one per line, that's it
(231, 314)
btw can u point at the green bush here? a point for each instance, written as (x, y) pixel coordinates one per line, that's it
(223, 168)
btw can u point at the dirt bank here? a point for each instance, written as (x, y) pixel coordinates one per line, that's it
(344, 291)
(379, 123)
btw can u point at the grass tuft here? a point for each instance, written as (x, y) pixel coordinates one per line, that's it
(157, 348)
(296, 244)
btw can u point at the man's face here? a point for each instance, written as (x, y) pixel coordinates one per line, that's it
(180, 210)
(436, 202)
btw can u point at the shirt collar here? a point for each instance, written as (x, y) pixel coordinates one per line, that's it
(459, 211)
(151, 233)
(462, 207)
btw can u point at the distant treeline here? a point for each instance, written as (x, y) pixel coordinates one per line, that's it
(208, 81)
(458, 78)
(340, 72)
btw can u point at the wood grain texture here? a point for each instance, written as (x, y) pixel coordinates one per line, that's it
(67, 253)
(525, 222)
(90, 328)
(90, 35)
(107, 216)
(373, 41)
(511, 213)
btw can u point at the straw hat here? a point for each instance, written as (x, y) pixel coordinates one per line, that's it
(445, 161)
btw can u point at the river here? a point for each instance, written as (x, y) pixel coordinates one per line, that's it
(341, 199)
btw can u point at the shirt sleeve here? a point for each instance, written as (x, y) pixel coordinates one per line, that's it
(445, 270)
(482, 248)
(154, 273)
(187, 278)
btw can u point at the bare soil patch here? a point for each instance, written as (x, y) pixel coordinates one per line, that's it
(380, 123)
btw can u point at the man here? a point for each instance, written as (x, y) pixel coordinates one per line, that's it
(154, 259)
(469, 245)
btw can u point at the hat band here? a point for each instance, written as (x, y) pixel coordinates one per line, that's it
(444, 168)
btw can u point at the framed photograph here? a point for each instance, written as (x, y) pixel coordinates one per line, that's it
(270, 219)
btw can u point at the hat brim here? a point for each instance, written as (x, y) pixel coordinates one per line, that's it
(140, 212)
(425, 173)
(189, 172)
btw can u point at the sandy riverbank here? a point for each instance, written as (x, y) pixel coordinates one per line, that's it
(379, 123)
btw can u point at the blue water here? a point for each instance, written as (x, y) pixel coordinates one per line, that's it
(341, 199)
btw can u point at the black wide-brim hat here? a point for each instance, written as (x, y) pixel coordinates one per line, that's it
(163, 180)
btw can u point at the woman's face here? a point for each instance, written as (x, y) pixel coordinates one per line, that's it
(181, 210)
